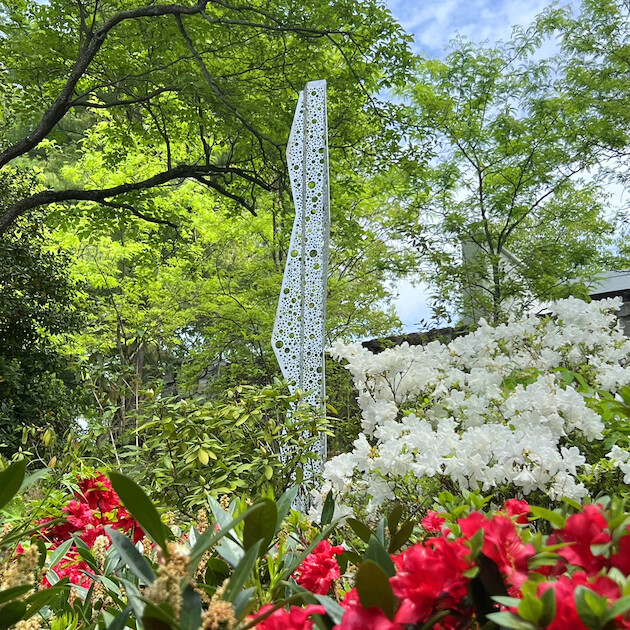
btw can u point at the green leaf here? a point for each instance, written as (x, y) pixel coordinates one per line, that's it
(557, 520)
(476, 543)
(12, 613)
(190, 615)
(32, 478)
(244, 602)
(548, 599)
(242, 572)
(59, 553)
(394, 517)
(260, 525)
(210, 537)
(120, 621)
(401, 536)
(530, 608)
(11, 481)
(590, 607)
(361, 530)
(155, 617)
(138, 564)
(374, 589)
(38, 600)
(510, 620)
(328, 509)
(284, 503)
(511, 602)
(14, 592)
(141, 508)
(620, 607)
(378, 554)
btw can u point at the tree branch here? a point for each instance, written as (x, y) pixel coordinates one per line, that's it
(100, 195)
(62, 103)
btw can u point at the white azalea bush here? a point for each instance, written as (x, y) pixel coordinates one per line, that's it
(510, 406)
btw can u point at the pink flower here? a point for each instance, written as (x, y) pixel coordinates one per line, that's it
(295, 618)
(319, 568)
(433, 522)
(517, 508)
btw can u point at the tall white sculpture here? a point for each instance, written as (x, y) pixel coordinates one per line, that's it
(299, 329)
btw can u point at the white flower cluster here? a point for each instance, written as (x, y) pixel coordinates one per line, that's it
(497, 406)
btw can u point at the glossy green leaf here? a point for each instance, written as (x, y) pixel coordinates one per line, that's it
(190, 615)
(141, 508)
(58, 554)
(11, 481)
(378, 554)
(242, 572)
(374, 589)
(361, 530)
(284, 503)
(260, 525)
(394, 517)
(209, 538)
(14, 592)
(11, 613)
(590, 607)
(328, 510)
(401, 536)
(138, 564)
(120, 621)
(510, 620)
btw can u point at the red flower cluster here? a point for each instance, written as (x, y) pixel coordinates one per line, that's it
(502, 544)
(95, 506)
(295, 618)
(319, 568)
(433, 522)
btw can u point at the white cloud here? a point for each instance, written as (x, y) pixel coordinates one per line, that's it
(433, 23)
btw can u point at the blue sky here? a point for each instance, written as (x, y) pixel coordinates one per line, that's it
(433, 23)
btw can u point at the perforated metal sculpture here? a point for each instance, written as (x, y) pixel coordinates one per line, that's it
(298, 333)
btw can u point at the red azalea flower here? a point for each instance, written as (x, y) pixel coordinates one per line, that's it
(502, 544)
(296, 618)
(621, 559)
(98, 493)
(90, 535)
(517, 508)
(566, 613)
(584, 529)
(433, 522)
(430, 578)
(361, 619)
(125, 522)
(358, 618)
(73, 568)
(80, 515)
(319, 568)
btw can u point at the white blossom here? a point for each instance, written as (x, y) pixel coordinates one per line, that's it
(497, 406)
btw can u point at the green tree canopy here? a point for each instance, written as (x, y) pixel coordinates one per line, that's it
(202, 91)
(509, 210)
